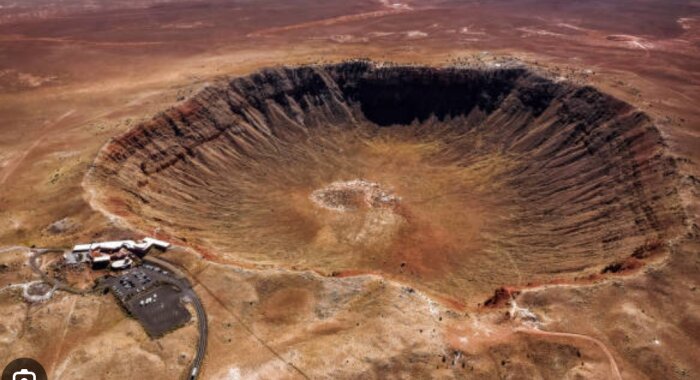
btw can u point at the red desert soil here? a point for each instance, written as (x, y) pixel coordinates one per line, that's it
(589, 225)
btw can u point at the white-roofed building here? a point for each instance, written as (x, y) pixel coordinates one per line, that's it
(122, 264)
(116, 250)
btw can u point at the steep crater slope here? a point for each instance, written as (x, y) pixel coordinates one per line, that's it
(455, 180)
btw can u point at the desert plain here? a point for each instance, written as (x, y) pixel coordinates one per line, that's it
(350, 228)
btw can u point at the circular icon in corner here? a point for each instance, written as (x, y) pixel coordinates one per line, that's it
(24, 369)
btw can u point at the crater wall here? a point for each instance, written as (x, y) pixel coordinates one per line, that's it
(502, 177)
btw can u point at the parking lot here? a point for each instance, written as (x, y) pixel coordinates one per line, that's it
(159, 310)
(153, 296)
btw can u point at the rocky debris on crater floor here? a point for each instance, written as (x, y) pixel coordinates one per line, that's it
(351, 195)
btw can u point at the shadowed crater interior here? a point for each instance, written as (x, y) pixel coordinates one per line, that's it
(455, 180)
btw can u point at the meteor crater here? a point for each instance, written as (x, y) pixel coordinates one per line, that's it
(455, 180)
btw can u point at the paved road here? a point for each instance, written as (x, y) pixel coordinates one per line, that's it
(191, 297)
(179, 279)
(203, 331)
(38, 252)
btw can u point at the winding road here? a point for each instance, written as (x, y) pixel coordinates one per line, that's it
(615, 371)
(191, 297)
(203, 331)
(38, 252)
(179, 279)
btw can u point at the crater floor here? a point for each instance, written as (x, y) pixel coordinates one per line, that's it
(457, 181)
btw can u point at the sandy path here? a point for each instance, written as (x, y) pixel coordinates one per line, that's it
(330, 21)
(615, 372)
(59, 345)
(14, 248)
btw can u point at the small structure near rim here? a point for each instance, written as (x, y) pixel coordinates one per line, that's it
(122, 264)
(118, 254)
(143, 247)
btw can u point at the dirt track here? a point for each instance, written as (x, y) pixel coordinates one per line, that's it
(614, 371)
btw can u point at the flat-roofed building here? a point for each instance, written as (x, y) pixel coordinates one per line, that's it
(99, 260)
(122, 264)
(140, 248)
